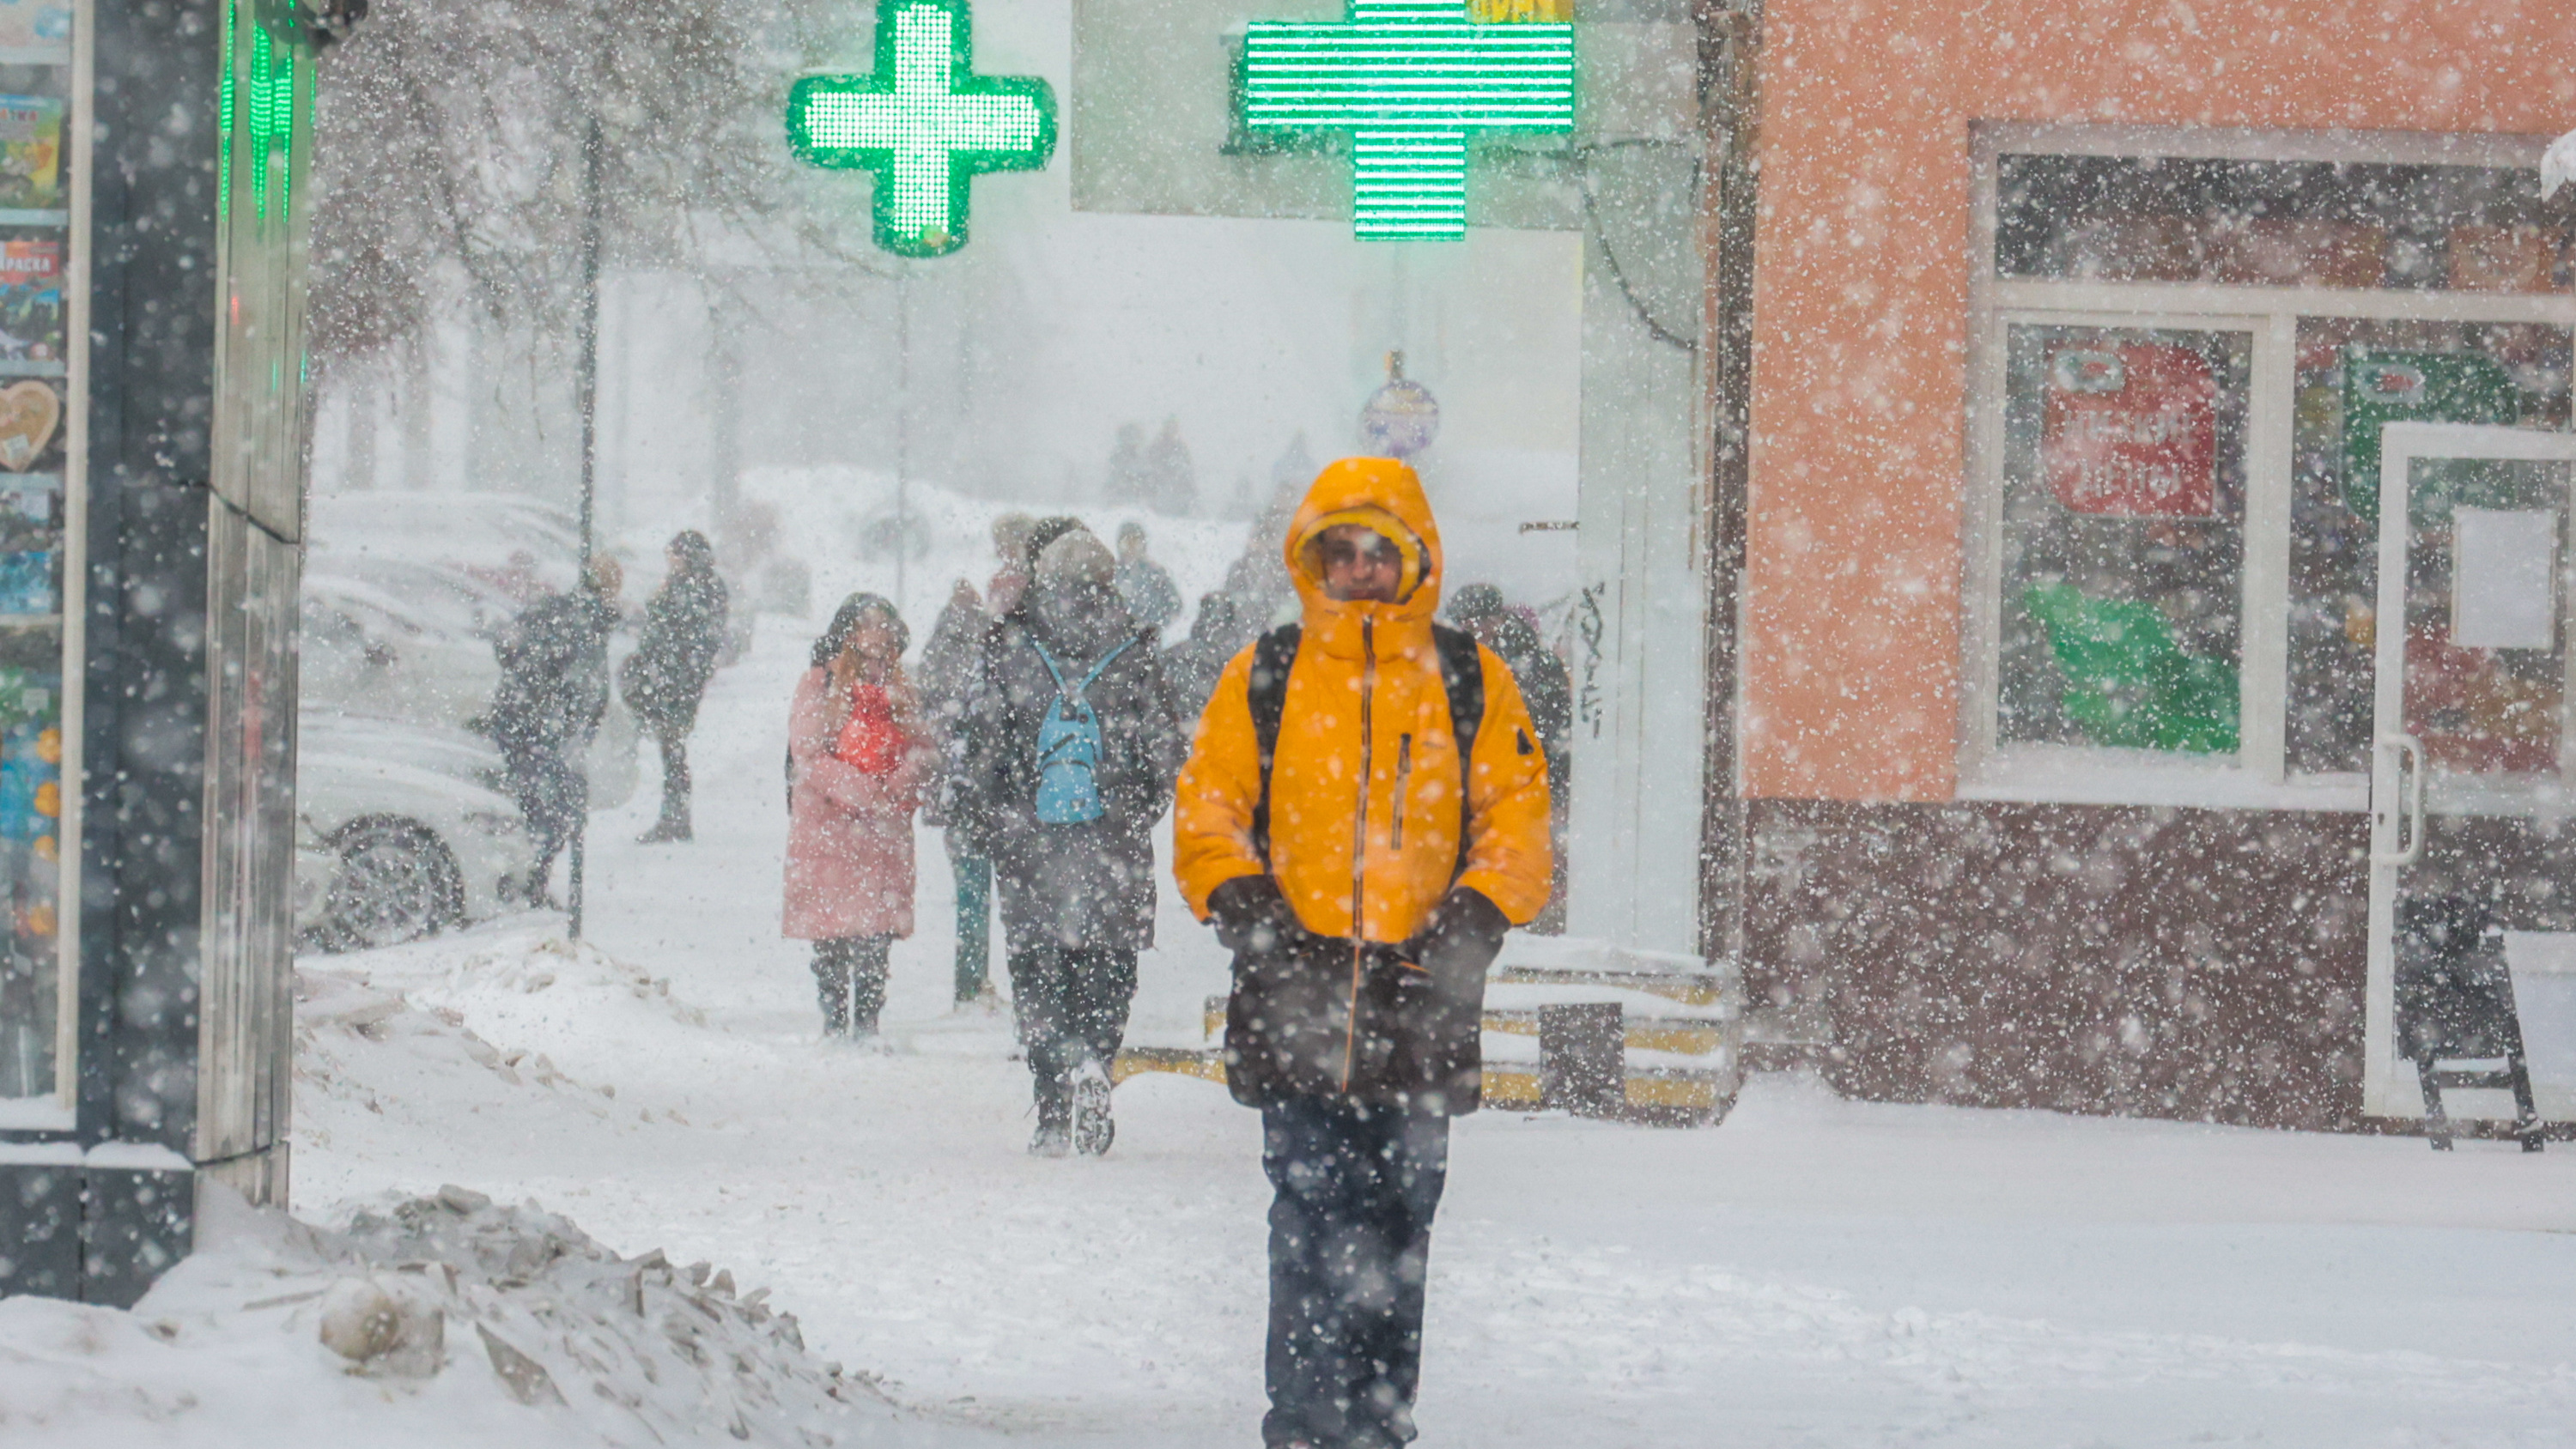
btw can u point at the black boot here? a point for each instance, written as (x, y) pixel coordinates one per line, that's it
(835, 999)
(1055, 1116)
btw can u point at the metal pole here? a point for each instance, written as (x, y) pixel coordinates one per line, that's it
(586, 390)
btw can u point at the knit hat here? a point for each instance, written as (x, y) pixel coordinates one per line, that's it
(1077, 558)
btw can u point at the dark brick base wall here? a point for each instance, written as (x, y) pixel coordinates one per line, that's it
(2196, 964)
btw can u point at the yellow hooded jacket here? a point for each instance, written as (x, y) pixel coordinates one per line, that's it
(1364, 817)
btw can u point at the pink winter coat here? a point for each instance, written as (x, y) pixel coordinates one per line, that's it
(849, 833)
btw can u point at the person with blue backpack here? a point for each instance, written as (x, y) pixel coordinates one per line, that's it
(1068, 742)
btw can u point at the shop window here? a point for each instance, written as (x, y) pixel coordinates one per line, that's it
(2353, 376)
(2123, 544)
(2276, 223)
(39, 322)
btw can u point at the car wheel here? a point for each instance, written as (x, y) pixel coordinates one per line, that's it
(395, 883)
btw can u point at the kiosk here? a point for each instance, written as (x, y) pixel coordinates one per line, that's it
(152, 411)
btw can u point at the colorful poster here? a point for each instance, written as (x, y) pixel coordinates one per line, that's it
(31, 300)
(2131, 431)
(34, 24)
(31, 153)
(31, 415)
(2381, 387)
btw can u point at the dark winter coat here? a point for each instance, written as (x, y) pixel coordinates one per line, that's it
(1091, 884)
(1545, 686)
(1217, 634)
(1149, 593)
(554, 673)
(947, 666)
(684, 628)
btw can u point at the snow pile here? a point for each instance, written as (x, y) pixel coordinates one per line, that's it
(341, 1015)
(439, 1320)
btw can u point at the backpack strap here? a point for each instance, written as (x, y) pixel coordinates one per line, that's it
(1462, 678)
(1049, 661)
(1267, 692)
(1088, 680)
(1077, 693)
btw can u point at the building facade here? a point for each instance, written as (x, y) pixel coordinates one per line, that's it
(2061, 679)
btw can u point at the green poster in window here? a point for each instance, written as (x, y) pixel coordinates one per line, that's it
(2128, 682)
(2381, 386)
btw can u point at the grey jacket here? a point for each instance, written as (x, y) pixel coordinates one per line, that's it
(1083, 885)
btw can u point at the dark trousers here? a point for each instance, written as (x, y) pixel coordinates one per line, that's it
(974, 918)
(1350, 1240)
(1071, 1003)
(850, 982)
(675, 778)
(553, 795)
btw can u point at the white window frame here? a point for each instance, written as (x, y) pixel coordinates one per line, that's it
(2257, 775)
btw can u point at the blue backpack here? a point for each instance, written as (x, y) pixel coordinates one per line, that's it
(1069, 747)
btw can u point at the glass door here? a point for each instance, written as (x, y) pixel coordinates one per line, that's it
(2473, 822)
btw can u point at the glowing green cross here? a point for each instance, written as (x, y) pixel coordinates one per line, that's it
(1409, 79)
(924, 123)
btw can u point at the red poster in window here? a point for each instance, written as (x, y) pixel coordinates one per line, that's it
(2132, 431)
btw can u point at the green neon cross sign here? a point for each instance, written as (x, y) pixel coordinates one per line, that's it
(924, 122)
(1409, 79)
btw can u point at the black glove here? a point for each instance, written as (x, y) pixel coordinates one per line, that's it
(1462, 938)
(1252, 917)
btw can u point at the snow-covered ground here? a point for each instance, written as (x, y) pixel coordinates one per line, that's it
(1810, 1273)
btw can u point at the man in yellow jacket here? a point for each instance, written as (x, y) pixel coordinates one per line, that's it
(1363, 815)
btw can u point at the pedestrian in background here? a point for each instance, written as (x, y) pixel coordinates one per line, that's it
(947, 668)
(1549, 691)
(1216, 634)
(547, 706)
(1363, 816)
(665, 678)
(1068, 746)
(1011, 535)
(859, 756)
(1143, 585)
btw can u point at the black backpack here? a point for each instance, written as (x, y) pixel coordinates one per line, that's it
(1462, 677)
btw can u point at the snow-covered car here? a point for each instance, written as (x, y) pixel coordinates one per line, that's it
(511, 539)
(368, 649)
(399, 832)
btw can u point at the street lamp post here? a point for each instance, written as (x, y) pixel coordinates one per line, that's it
(586, 389)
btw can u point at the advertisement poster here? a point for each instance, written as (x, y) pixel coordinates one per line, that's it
(31, 153)
(35, 24)
(31, 300)
(2131, 431)
(2381, 387)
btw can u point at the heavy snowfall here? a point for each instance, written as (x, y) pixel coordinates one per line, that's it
(591, 1147)
(631, 1164)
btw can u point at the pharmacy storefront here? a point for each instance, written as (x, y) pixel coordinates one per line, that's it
(2156, 670)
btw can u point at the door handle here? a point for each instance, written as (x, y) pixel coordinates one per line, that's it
(2410, 808)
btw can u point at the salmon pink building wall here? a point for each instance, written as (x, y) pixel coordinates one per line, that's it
(1858, 457)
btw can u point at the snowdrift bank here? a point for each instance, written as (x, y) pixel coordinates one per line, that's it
(437, 1319)
(429, 1321)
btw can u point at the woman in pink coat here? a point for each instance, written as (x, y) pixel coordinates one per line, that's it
(857, 759)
